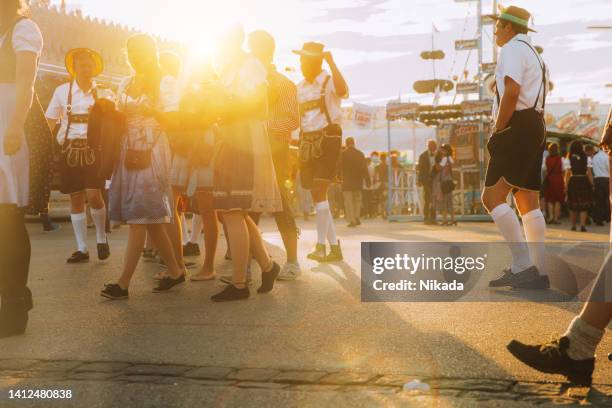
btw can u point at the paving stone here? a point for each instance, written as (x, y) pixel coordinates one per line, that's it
(347, 378)
(369, 389)
(314, 387)
(91, 376)
(470, 384)
(266, 385)
(393, 380)
(161, 370)
(300, 377)
(17, 364)
(537, 388)
(140, 378)
(195, 381)
(485, 396)
(102, 367)
(253, 374)
(578, 392)
(551, 401)
(209, 373)
(56, 365)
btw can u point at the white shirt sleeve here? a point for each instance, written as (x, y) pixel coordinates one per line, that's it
(169, 94)
(55, 108)
(567, 165)
(589, 162)
(512, 63)
(27, 37)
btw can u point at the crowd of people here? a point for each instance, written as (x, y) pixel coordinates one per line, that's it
(223, 141)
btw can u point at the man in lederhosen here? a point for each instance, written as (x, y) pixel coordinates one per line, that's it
(320, 95)
(516, 147)
(71, 104)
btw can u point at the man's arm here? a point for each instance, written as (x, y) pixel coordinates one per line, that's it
(340, 84)
(288, 118)
(24, 84)
(507, 106)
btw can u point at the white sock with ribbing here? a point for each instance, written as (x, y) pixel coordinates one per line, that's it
(323, 220)
(99, 219)
(534, 225)
(79, 225)
(510, 227)
(184, 230)
(331, 230)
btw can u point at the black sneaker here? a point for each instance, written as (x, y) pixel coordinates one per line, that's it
(542, 282)
(191, 249)
(231, 293)
(268, 278)
(515, 279)
(103, 251)
(114, 291)
(552, 358)
(78, 257)
(51, 227)
(168, 283)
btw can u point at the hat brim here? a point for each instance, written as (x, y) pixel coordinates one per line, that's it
(69, 60)
(500, 18)
(309, 54)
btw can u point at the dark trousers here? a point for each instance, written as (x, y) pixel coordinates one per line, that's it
(601, 205)
(368, 208)
(429, 210)
(14, 253)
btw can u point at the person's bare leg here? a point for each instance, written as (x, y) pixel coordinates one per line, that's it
(551, 211)
(159, 235)
(239, 243)
(258, 248)
(211, 234)
(557, 212)
(573, 218)
(583, 218)
(136, 239)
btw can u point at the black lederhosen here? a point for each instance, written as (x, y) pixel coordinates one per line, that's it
(516, 151)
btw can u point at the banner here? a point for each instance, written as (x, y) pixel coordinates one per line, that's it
(398, 110)
(461, 45)
(364, 115)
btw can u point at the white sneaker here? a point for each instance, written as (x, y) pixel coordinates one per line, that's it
(290, 271)
(227, 279)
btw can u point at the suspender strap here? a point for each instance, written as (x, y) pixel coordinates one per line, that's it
(68, 113)
(543, 67)
(323, 103)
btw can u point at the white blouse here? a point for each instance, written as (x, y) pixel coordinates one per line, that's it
(169, 94)
(26, 37)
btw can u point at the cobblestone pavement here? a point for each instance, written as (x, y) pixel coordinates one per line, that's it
(62, 374)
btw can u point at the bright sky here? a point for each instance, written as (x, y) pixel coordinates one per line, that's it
(377, 42)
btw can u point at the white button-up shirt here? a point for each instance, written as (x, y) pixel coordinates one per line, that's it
(601, 165)
(519, 62)
(81, 104)
(314, 120)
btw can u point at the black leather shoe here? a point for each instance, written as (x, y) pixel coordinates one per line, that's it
(103, 251)
(14, 315)
(168, 283)
(515, 279)
(268, 278)
(552, 358)
(78, 257)
(542, 282)
(114, 292)
(231, 293)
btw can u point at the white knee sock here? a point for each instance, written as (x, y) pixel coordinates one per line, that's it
(583, 339)
(79, 225)
(331, 231)
(196, 228)
(323, 222)
(535, 232)
(184, 229)
(508, 224)
(99, 218)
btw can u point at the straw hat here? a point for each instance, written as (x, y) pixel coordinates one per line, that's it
(311, 49)
(516, 15)
(70, 56)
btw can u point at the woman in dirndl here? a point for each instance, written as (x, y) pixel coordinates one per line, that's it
(244, 177)
(20, 47)
(140, 193)
(579, 181)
